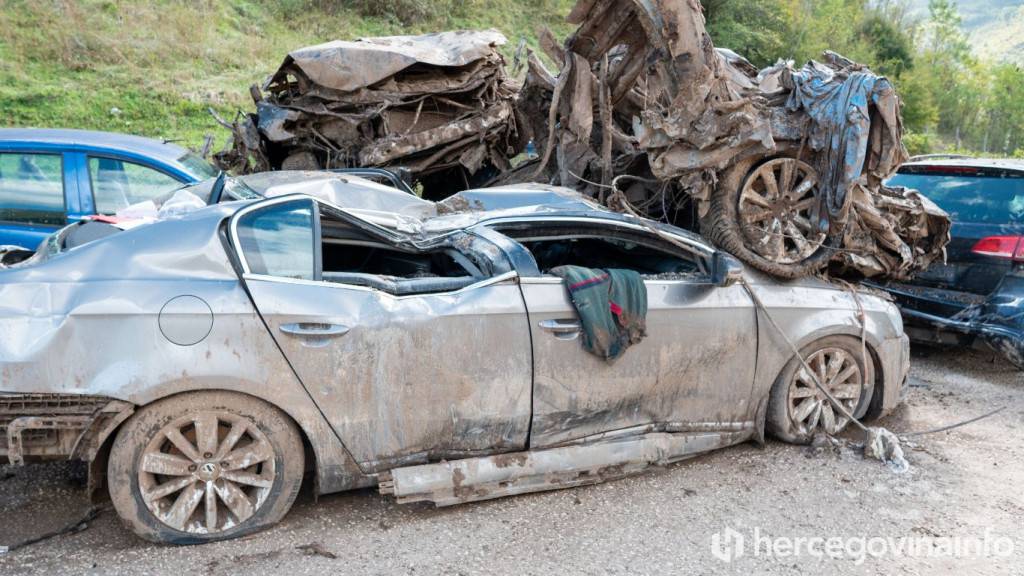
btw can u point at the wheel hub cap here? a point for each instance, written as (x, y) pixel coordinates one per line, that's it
(206, 473)
(776, 211)
(810, 410)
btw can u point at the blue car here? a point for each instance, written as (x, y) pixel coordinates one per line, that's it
(50, 178)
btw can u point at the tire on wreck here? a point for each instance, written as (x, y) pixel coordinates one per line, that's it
(797, 409)
(761, 213)
(205, 466)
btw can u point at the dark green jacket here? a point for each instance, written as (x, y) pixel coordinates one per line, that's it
(612, 305)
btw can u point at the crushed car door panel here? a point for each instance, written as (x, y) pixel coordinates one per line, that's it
(406, 366)
(693, 372)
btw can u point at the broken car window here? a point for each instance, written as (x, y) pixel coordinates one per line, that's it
(278, 240)
(351, 256)
(32, 189)
(597, 249)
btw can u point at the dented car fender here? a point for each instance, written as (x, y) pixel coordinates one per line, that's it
(799, 310)
(153, 310)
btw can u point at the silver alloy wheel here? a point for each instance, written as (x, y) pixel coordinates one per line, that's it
(776, 211)
(215, 458)
(809, 408)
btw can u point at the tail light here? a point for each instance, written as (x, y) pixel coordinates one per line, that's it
(1009, 247)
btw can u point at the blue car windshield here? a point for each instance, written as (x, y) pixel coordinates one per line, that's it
(199, 168)
(971, 198)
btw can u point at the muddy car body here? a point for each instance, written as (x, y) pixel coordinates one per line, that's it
(194, 358)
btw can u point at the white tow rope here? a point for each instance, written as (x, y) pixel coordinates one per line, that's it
(879, 443)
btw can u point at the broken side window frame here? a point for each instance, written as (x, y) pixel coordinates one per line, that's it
(388, 238)
(701, 255)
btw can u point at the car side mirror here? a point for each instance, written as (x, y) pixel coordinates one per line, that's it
(725, 270)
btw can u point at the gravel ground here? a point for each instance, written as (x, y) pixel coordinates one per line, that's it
(962, 483)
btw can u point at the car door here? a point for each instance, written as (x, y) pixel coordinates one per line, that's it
(32, 196)
(693, 372)
(401, 379)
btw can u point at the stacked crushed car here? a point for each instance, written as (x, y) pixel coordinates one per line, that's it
(783, 167)
(428, 103)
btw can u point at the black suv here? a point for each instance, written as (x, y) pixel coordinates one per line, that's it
(977, 297)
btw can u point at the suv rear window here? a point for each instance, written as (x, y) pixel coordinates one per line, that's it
(984, 198)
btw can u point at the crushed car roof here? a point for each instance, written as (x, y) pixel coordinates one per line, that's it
(344, 65)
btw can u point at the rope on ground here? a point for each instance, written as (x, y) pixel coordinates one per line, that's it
(72, 528)
(953, 426)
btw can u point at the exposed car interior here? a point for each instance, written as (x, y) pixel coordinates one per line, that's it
(351, 257)
(288, 241)
(554, 248)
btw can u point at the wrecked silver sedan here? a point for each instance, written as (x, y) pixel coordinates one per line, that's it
(205, 362)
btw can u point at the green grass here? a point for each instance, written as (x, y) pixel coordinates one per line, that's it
(154, 68)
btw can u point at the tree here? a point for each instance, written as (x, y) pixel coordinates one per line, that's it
(958, 82)
(754, 28)
(893, 45)
(1006, 103)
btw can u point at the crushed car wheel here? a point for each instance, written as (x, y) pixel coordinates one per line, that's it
(798, 409)
(763, 215)
(205, 466)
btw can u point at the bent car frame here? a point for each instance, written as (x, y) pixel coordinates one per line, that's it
(206, 362)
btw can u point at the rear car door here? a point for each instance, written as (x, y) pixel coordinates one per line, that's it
(32, 196)
(414, 365)
(694, 372)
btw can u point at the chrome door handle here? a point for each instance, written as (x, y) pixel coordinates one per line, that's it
(562, 329)
(310, 330)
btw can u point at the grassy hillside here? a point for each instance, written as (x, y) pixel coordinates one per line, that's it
(154, 67)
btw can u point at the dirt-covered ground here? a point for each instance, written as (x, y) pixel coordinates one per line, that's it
(967, 483)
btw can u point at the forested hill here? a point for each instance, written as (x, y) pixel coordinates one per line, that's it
(995, 27)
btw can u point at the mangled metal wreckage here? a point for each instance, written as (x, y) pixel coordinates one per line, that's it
(783, 167)
(191, 358)
(428, 104)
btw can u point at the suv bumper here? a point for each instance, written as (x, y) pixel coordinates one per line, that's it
(993, 323)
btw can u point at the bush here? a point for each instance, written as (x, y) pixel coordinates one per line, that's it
(404, 11)
(919, 143)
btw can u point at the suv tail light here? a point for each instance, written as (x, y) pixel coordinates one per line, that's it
(1009, 247)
